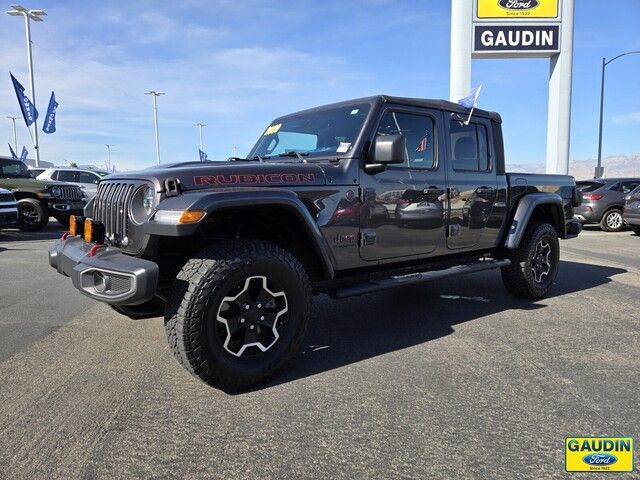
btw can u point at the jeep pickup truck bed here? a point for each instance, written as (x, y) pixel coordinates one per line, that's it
(344, 199)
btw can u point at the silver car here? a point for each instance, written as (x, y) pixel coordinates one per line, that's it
(85, 179)
(603, 201)
(632, 211)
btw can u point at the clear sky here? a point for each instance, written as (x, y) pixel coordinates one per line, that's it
(236, 64)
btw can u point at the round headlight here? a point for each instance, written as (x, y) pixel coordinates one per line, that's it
(56, 192)
(142, 205)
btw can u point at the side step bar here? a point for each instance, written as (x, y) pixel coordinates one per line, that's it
(411, 278)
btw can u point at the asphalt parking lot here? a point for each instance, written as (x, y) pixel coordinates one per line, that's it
(453, 379)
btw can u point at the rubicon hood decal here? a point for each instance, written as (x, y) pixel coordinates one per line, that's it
(252, 179)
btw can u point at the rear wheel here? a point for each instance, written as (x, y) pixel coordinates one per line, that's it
(612, 221)
(238, 313)
(32, 215)
(534, 264)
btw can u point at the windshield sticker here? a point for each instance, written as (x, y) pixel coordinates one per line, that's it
(272, 129)
(343, 147)
(355, 111)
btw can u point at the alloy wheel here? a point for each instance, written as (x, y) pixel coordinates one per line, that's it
(541, 261)
(614, 220)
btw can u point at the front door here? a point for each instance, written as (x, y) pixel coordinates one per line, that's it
(402, 210)
(472, 183)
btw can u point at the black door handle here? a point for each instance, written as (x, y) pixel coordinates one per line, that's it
(433, 191)
(485, 190)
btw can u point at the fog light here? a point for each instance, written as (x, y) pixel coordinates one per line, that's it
(101, 282)
(93, 231)
(76, 225)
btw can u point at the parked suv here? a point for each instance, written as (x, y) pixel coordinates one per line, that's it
(37, 199)
(86, 179)
(603, 201)
(631, 213)
(8, 209)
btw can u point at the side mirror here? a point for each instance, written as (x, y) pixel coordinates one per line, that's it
(388, 149)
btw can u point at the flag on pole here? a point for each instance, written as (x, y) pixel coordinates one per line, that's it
(471, 101)
(50, 121)
(23, 154)
(13, 154)
(29, 112)
(203, 155)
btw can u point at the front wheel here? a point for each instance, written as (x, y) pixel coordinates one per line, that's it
(534, 264)
(32, 215)
(238, 313)
(612, 221)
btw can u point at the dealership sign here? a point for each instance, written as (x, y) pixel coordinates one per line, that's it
(516, 38)
(516, 28)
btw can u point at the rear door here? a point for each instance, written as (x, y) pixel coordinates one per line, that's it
(472, 183)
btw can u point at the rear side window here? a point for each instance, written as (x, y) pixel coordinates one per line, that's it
(85, 177)
(628, 187)
(469, 147)
(66, 176)
(586, 187)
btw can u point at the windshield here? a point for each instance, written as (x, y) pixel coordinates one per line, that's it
(320, 133)
(14, 168)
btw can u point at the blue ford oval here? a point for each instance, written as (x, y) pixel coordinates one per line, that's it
(599, 459)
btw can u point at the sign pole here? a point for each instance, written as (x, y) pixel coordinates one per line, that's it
(460, 63)
(559, 110)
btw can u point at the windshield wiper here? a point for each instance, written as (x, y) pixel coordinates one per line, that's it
(252, 159)
(298, 155)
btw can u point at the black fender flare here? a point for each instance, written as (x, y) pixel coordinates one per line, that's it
(524, 210)
(214, 201)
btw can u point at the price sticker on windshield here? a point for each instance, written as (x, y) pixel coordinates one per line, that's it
(272, 129)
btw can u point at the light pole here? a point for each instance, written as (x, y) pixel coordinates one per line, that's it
(15, 135)
(108, 145)
(599, 169)
(155, 119)
(36, 16)
(200, 125)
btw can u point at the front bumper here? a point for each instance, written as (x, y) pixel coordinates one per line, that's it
(8, 216)
(108, 276)
(66, 207)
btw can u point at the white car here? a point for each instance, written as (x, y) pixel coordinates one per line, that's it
(86, 179)
(8, 209)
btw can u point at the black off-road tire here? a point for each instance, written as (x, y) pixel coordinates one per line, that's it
(32, 215)
(636, 229)
(197, 293)
(63, 219)
(519, 278)
(612, 220)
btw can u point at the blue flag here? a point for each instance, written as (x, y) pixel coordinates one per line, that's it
(50, 121)
(23, 154)
(29, 112)
(13, 154)
(203, 155)
(471, 100)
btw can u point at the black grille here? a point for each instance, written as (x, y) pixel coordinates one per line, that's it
(70, 193)
(7, 197)
(111, 207)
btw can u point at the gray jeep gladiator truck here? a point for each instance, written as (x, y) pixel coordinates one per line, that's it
(344, 199)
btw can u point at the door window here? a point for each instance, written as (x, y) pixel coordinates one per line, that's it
(66, 176)
(85, 177)
(469, 147)
(419, 133)
(628, 187)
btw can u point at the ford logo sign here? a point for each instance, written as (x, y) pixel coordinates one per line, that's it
(599, 459)
(518, 4)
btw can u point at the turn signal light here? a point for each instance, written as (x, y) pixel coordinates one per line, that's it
(76, 225)
(191, 216)
(93, 231)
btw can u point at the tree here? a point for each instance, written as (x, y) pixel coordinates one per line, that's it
(73, 165)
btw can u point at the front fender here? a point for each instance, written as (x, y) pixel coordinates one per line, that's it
(525, 209)
(247, 197)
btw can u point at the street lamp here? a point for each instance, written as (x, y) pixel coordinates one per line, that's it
(200, 125)
(36, 16)
(155, 120)
(108, 145)
(15, 135)
(599, 170)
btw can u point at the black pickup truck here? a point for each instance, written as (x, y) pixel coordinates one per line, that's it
(344, 199)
